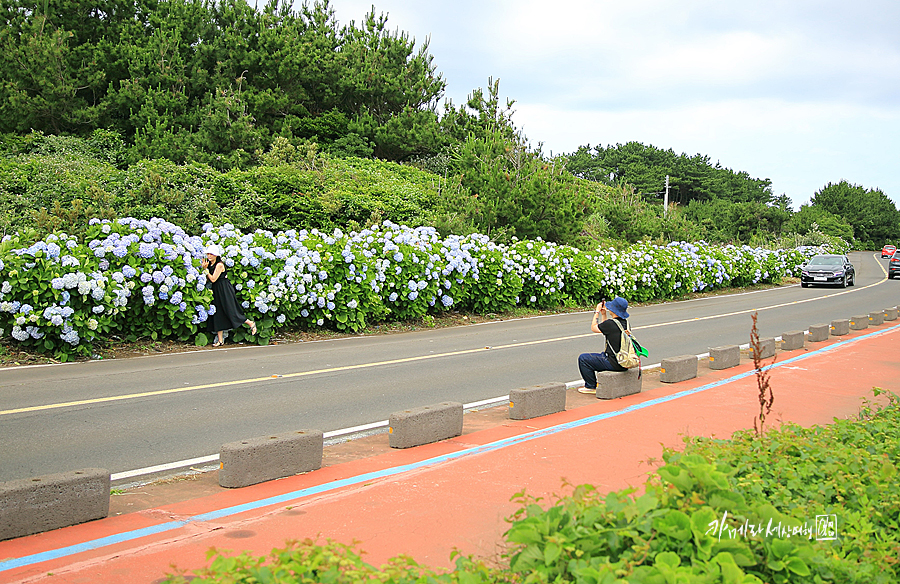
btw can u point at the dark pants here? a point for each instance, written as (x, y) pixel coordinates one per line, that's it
(590, 363)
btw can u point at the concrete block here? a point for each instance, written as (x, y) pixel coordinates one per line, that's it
(876, 318)
(52, 501)
(613, 384)
(677, 369)
(840, 327)
(724, 357)
(792, 340)
(860, 322)
(818, 333)
(248, 462)
(766, 348)
(425, 425)
(538, 400)
(891, 313)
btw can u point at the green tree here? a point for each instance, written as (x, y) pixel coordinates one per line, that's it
(481, 115)
(48, 82)
(513, 190)
(645, 168)
(620, 215)
(810, 217)
(724, 221)
(874, 217)
(217, 81)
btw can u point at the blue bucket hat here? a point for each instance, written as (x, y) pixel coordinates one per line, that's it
(619, 306)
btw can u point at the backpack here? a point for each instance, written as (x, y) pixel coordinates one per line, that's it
(627, 355)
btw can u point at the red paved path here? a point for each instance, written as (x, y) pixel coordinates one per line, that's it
(462, 499)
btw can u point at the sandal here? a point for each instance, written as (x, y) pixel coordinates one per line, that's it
(217, 343)
(253, 329)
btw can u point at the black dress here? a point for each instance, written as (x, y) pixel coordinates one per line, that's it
(228, 313)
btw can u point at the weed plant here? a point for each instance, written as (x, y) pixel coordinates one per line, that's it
(797, 505)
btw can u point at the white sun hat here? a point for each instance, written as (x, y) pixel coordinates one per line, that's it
(214, 249)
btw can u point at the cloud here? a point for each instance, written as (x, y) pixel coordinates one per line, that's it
(800, 147)
(800, 91)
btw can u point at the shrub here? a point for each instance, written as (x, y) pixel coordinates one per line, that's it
(745, 510)
(343, 281)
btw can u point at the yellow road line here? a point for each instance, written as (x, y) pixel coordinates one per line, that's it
(113, 398)
(116, 398)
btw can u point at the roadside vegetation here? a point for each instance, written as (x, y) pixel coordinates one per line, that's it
(137, 279)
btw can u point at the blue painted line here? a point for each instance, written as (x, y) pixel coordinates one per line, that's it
(331, 486)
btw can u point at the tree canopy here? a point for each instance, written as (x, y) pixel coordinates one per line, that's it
(873, 216)
(691, 178)
(216, 81)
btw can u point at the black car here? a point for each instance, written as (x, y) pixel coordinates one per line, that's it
(894, 264)
(828, 269)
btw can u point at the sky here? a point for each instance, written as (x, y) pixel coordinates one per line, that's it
(800, 92)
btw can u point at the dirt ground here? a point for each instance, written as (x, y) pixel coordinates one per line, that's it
(12, 355)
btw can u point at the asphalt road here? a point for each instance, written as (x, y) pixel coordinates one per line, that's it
(128, 414)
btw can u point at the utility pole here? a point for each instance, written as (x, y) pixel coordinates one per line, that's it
(666, 198)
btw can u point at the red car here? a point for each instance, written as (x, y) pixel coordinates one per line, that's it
(888, 250)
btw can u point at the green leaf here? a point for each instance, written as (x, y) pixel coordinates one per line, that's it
(702, 519)
(646, 503)
(528, 558)
(201, 340)
(781, 548)
(737, 549)
(677, 476)
(670, 559)
(797, 566)
(674, 524)
(727, 500)
(523, 534)
(731, 574)
(551, 553)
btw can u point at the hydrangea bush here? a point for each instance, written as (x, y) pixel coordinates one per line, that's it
(141, 279)
(54, 296)
(157, 265)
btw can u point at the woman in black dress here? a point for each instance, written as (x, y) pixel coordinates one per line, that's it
(228, 314)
